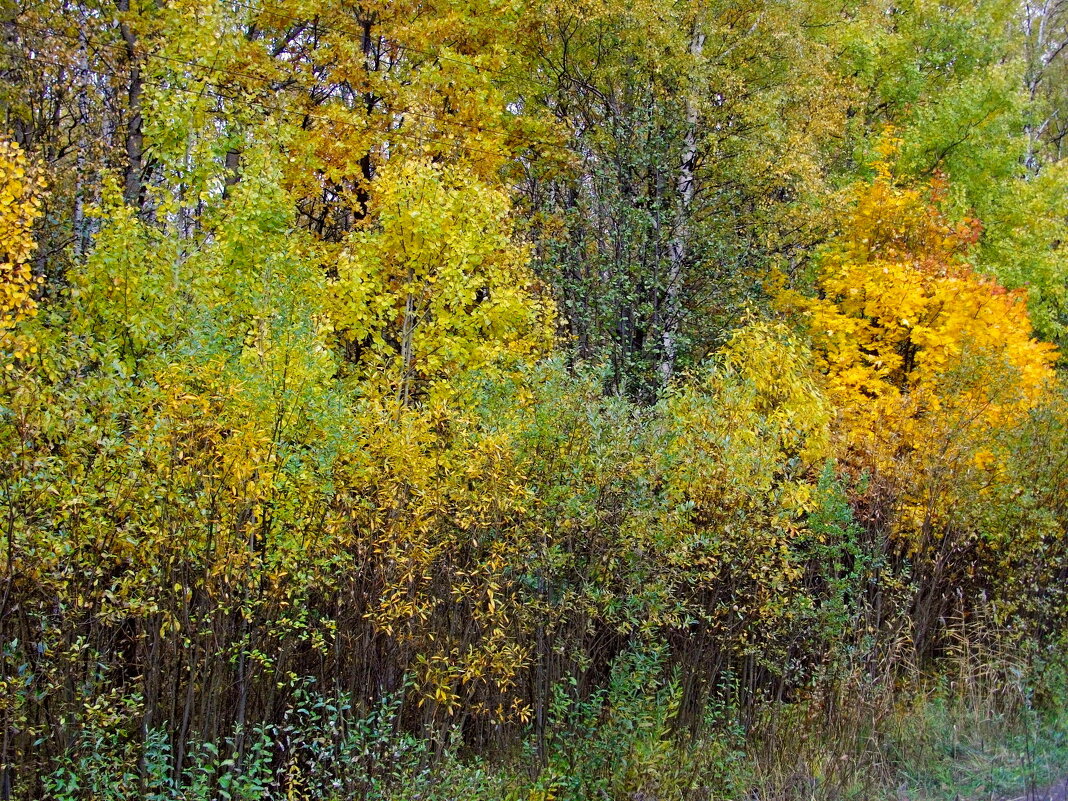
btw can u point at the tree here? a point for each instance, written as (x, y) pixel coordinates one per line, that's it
(21, 196)
(435, 283)
(899, 308)
(933, 368)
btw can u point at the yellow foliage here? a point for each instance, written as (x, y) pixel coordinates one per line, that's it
(900, 309)
(781, 372)
(21, 191)
(925, 359)
(436, 284)
(735, 465)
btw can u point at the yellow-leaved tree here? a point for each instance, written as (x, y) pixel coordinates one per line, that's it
(931, 367)
(900, 313)
(21, 194)
(436, 284)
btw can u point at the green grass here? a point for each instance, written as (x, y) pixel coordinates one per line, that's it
(987, 759)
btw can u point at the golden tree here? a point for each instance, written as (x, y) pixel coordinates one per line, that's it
(21, 191)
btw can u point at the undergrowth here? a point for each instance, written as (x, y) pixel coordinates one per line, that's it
(973, 732)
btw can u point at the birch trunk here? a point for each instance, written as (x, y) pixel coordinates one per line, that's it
(677, 247)
(134, 136)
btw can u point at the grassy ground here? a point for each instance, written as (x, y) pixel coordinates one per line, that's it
(982, 734)
(987, 758)
(989, 737)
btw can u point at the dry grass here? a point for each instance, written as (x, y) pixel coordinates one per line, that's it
(886, 730)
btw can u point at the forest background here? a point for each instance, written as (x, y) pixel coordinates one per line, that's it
(532, 399)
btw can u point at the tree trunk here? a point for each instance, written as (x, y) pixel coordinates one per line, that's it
(134, 136)
(677, 247)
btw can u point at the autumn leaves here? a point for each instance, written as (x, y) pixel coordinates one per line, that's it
(21, 198)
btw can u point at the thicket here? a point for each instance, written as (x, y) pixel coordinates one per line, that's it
(531, 401)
